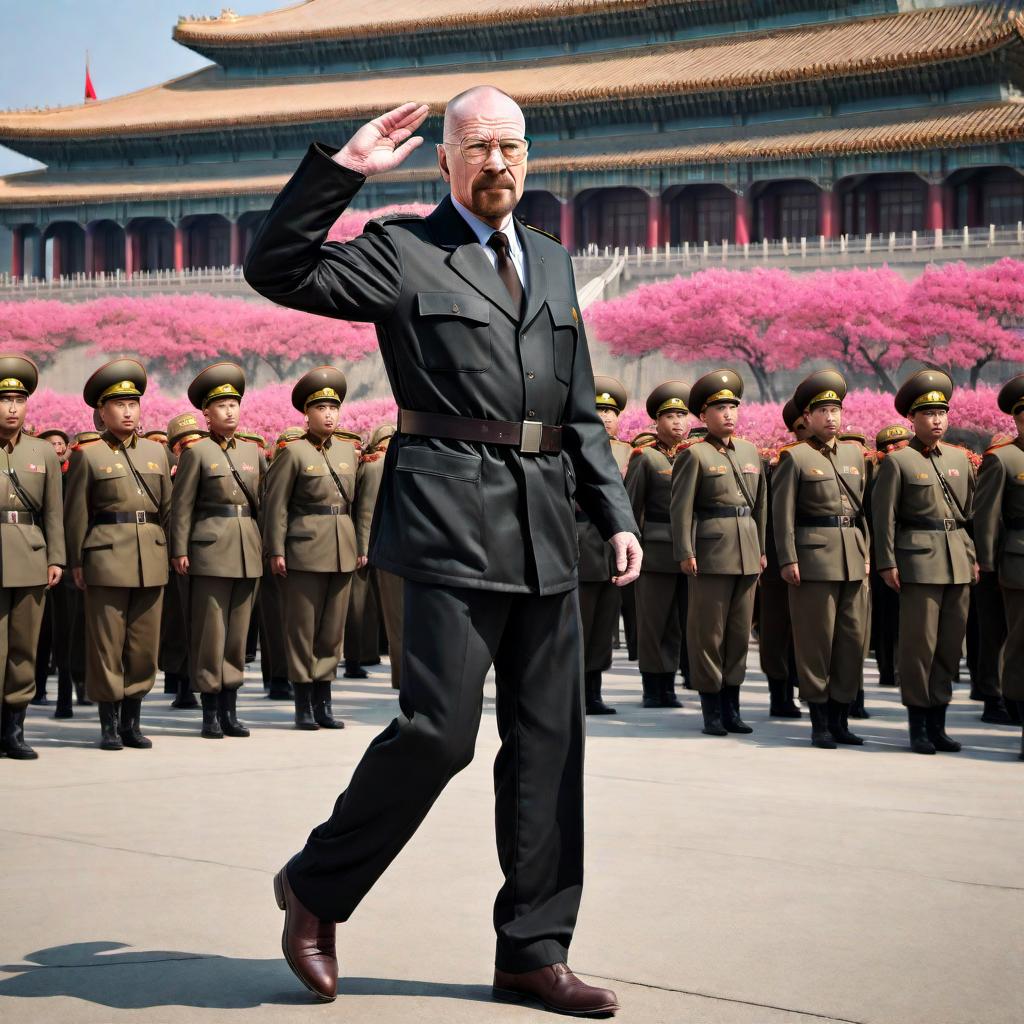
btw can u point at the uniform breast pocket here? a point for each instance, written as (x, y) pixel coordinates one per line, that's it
(453, 332)
(110, 481)
(564, 332)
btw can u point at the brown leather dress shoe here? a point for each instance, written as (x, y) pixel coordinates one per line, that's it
(307, 943)
(556, 988)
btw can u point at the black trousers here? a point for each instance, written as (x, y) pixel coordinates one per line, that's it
(452, 637)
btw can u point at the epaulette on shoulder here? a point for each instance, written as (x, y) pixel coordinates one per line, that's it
(687, 442)
(790, 446)
(371, 457)
(541, 231)
(378, 224)
(639, 449)
(995, 447)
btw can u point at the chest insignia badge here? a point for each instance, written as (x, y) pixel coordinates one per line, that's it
(817, 472)
(922, 476)
(954, 472)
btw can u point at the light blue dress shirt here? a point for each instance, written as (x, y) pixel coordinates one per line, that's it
(483, 233)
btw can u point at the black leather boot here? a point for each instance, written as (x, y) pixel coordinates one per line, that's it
(857, 709)
(211, 721)
(65, 692)
(353, 670)
(131, 732)
(322, 713)
(838, 724)
(170, 682)
(995, 711)
(110, 739)
(304, 706)
(652, 689)
(667, 691)
(12, 734)
(227, 712)
(184, 697)
(80, 698)
(917, 719)
(280, 689)
(730, 699)
(820, 734)
(936, 726)
(592, 691)
(781, 694)
(711, 709)
(1013, 709)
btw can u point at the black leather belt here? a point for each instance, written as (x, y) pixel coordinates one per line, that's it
(841, 521)
(21, 518)
(926, 523)
(656, 517)
(225, 511)
(530, 436)
(108, 518)
(320, 510)
(1014, 522)
(724, 512)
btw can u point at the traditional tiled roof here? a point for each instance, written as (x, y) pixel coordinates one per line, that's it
(982, 125)
(210, 100)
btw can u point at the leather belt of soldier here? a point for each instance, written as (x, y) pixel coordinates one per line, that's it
(225, 512)
(21, 518)
(531, 437)
(320, 510)
(927, 523)
(656, 517)
(108, 518)
(1014, 522)
(840, 521)
(724, 512)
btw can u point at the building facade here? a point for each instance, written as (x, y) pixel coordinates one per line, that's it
(653, 122)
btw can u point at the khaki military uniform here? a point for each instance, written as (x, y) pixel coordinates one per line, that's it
(922, 533)
(818, 517)
(307, 520)
(718, 517)
(213, 522)
(999, 537)
(389, 586)
(31, 540)
(125, 563)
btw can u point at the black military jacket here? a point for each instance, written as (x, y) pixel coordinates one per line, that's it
(452, 512)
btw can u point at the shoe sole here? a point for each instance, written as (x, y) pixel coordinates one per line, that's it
(505, 995)
(283, 905)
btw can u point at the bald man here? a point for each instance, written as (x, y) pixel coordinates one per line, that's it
(481, 335)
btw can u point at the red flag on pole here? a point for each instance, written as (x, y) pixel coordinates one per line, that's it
(90, 92)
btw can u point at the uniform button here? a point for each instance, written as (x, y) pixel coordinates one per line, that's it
(455, 307)
(530, 374)
(531, 413)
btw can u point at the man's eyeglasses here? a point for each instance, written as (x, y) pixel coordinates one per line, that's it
(476, 150)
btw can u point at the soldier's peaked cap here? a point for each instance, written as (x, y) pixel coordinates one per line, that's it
(718, 386)
(324, 384)
(18, 375)
(1011, 395)
(610, 393)
(221, 380)
(823, 387)
(120, 378)
(670, 396)
(926, 389)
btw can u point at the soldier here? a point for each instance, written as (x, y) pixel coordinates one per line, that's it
(157, 436)
(599, 597)
(118, 497)
(661, 588)
(718, 528)
(999, 536)
(31, 549)
(387, 584)
(215, 542)
(921, 509)
(822, 543)
(311, 543)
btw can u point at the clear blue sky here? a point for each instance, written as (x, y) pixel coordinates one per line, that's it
(42, 54)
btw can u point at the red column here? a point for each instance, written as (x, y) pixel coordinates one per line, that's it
(653, 221)
(949, 217)
(742, 228)
(129, 250)
(567, 224)
(179, 247)
(934, 219)
(90, 250)
(56, 253)
(236, 244)
(18, 252)
(829, 216)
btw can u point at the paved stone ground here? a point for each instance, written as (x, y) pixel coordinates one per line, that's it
(741, 881)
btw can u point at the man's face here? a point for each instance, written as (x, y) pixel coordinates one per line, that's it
(12, 412)
(825, 421)
(120, 415)
(720, 419)
(222, 416)
(930, 425)
(58, 444)
(672, 426)
(471, 158)
(610, 419)
(322, 418)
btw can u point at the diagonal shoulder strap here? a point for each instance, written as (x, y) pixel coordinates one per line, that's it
(241, 483)
(951, 499)
(337, 479)
(139, 478)
(858, 506)
(738, 476)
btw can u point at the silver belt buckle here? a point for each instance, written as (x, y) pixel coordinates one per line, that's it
(531, 437)
(140, 518)
(949, 525)
(846, 520)
(12, 517)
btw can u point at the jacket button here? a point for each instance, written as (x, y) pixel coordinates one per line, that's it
(530, 374)
(455, 307)
(531, 413)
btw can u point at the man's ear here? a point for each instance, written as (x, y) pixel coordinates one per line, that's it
(442, 163)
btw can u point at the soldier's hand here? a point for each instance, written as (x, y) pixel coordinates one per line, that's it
(689, 566)
(977, 572)
(628, 556)
(764, 562)
(180, 565)
(53, 575)
(78, 575)
(361, 562)
(891, 577)
(791, 574)
(277, 566)
(385, 142)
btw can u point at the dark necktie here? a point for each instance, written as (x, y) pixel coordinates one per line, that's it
(506, 269)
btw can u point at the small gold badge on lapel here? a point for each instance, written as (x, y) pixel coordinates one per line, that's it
(922, 476)
(575, 315)
(214, 465)
(153, 466)
(817, 472)
(117, 465)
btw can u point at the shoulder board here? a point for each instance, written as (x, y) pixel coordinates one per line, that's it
(371, 457)
(639, 450)
(546, 234)
(996, 447)
(790, 446)
(392, 218)
(687, 442)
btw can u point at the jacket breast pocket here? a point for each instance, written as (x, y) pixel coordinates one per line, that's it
(453, 332)
(564, 333)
